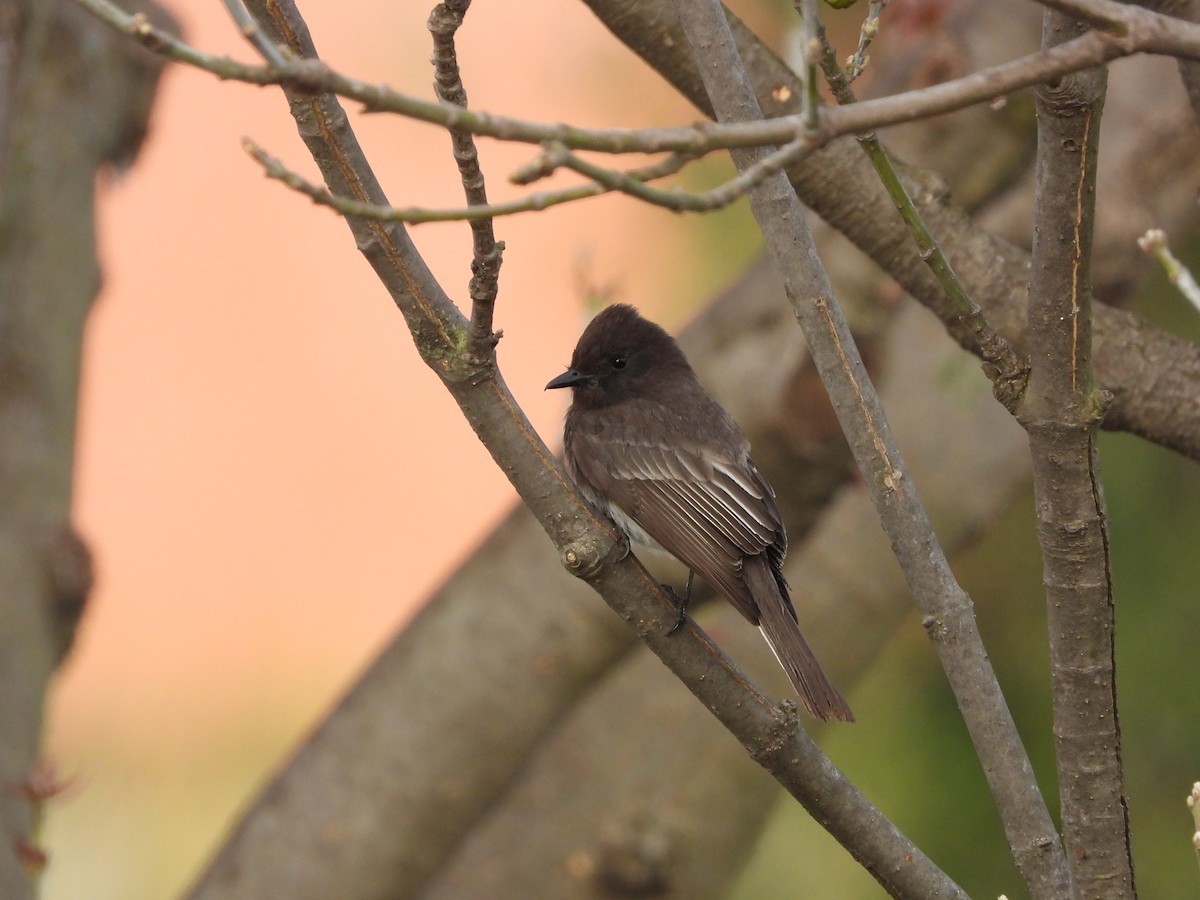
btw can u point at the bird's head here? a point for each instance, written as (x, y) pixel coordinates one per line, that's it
(620, 355)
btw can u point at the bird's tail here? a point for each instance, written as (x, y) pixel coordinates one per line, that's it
(778, 624)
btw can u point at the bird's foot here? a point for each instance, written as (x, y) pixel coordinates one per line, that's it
(626, 546)
(681, 603)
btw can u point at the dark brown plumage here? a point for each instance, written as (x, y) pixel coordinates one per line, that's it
(650, 447)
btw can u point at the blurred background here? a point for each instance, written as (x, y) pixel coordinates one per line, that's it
(272, 481)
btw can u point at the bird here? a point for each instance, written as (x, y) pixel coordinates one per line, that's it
(647, 445)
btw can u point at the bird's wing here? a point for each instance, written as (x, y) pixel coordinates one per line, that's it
(707, 510)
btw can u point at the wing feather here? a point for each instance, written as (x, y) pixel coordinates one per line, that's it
(706, 509)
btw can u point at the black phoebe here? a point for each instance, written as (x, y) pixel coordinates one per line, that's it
(647, 445)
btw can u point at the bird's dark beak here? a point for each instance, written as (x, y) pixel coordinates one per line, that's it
(569, 378)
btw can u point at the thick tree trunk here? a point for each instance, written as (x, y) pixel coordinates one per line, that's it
(77, 99)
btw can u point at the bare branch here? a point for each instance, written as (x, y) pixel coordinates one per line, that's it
(857, 63)
(1144, 32)
(251, 32)
(960, 313)
(413, 215)
(719, 197)
(487, 254)
(1103, 15)
(634, 183)
(1061, 411)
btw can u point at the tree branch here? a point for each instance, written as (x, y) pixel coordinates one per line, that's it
(797, 135)
(1062, 410)
(252, 33)
(413, 215)
(74, 102)
(444, 22)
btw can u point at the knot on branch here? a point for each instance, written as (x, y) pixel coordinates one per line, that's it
(1095, 406)
(1008, 386)
(785, 721)
(1084, 413)
(1070, 95)
(935, 627)
(584, 557)
(69, 566)
(469, 360)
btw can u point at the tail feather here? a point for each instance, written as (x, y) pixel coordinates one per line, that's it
(778, 625)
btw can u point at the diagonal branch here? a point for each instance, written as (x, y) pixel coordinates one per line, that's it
(252, 33)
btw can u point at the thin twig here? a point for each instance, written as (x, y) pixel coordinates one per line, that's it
(251, 32)
(413, 215)
(961, 315)
(681, 201)
(810, 28)
(634, 182)
(1155, 243)
(857, 63)
(487, 252)
(553, 158)
(1145, 31)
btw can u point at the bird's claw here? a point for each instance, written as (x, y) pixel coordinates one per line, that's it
(681, 603)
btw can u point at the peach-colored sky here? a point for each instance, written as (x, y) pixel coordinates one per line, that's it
(269, 476)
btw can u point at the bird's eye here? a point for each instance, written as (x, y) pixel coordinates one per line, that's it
(619, 362)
